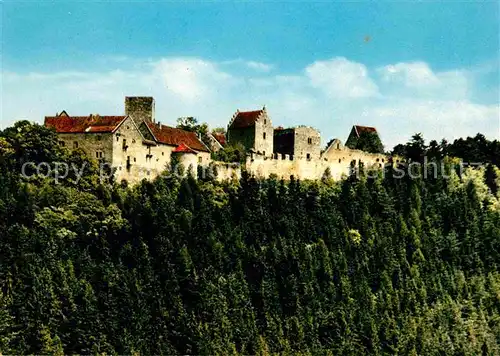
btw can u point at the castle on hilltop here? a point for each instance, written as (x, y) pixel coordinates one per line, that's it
(137, 146)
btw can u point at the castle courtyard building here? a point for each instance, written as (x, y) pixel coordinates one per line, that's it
(301, 142)
(134, 145)
(253, 129)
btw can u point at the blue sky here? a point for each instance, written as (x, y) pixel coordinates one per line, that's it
(404, 67)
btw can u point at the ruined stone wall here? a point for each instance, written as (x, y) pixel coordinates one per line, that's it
(283, 141)
(345, 155)
(284, 168)
(307, 142)
(337, 161)
(227, 171)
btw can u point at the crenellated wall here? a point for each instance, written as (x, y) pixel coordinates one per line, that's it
(338, 160)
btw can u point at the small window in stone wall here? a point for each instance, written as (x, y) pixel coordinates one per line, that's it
(99, 154)
(99, 137)
(134, 159)
(308, 156)
(310, 141)
(75, 144)
(163, 153)
(199, 159)
(340, 160)
(265, 122)
(264, 135)
(62, 143)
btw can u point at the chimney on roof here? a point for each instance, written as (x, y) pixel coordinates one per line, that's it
(140, 108)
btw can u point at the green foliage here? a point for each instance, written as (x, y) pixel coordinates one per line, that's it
(191, 124)
(233, 152)
(219, 130)
(185, 266)
(473, 150)
(367, 141)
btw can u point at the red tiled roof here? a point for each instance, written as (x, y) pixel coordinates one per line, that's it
(359, 129)
(82, 124)
(175, 137)
(220, 137)
(182, 148)
(245, 119)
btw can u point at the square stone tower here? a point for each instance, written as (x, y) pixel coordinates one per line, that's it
(253, 129)
(140, 108)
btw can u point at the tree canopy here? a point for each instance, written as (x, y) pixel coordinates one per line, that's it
(379, 265)
(367, 141)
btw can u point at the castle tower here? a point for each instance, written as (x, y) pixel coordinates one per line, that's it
(140, 108)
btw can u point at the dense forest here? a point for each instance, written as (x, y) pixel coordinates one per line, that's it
(178, 265)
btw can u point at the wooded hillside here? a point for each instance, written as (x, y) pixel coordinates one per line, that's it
(183, 266)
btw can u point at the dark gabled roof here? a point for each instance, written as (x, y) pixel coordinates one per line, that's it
(175, 137)
(243, 119)
(83, 124)
(360, 129)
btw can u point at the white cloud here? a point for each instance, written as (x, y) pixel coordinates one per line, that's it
(416, 74)
(259, 66)
(341, 78)
(436, 119)
(418, 79)
(399, 99)
(191, 78)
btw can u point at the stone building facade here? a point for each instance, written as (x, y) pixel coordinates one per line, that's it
(134, 145)
(301, 142)
(253, 129)
(137, 146)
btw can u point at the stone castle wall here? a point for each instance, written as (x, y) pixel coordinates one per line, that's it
(307, 142)
(95, 145)
(227, 171)
(338, 161)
